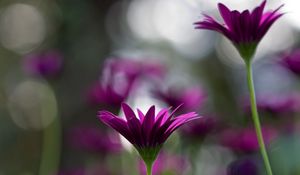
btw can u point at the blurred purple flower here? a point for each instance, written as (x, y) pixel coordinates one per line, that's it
(167, 163)
(244, 139)
(190, 99)
(100, 94)
(246, 166)
(244, 29)
(148, 132)
(91, 170)
(199, 128)
(119, 79)
(94, 140)
(72, 172)
(277, 105)
(292, 61)
(134, 68)
(47, 64)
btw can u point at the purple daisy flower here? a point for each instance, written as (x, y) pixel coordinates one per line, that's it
(148, 132)
(244, 139)
(191, 98)
(244, 29)
(292, 61)
(119, 79)
(91, 170)
(107, 95)
(276, 105)
(134, 68)
(94, 139)
(47, 64)
(199, 129)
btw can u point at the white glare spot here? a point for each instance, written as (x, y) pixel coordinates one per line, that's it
(293, 12)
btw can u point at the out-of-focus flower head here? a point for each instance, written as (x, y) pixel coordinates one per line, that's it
(78, 171)
(276, 105)
(136, 68)
(291, 61)
(91, 170)
(120, 77)
(244, 139)
(198, 129)
(244, 29)
(45, 64)
(190, 98)
(244, 166)
(167, 163)
(148, 132)
(94, 139)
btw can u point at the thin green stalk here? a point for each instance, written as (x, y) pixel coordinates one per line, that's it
(149, 168)
(50, 154)
(256, 121)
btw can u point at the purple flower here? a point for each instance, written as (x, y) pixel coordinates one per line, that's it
(190, 99)
(134, 68)
(244, 139)
(106, 94)
(94, 139)
(246, 166)
(276, 105)
(167, 163)
(292, 61)
(91, 170)
(119, 79)
(148, 132)
(72, 172)
(47, 64)
(200, 128)
(244, 29)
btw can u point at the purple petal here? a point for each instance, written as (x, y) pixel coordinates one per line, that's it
(135, 128)
(148, 123)
(129, 114)
(226, 14)
(141, 116)
(180, 120)
(211, 24)
(116, 123)
(257, 14)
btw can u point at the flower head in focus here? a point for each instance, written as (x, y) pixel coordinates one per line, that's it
(167, 163)
(46, 64)
(244, 29)
(148, 132)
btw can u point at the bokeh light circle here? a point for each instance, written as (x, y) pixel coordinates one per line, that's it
(32, 105)
(22, 27)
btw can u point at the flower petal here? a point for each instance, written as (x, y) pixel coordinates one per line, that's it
(128, 111)
(226, 15)
(116, 123)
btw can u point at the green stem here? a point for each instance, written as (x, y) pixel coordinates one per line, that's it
(149, 167)
(256, 121)
(50, 154)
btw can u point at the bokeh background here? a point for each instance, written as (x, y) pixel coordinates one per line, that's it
(54, 57)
